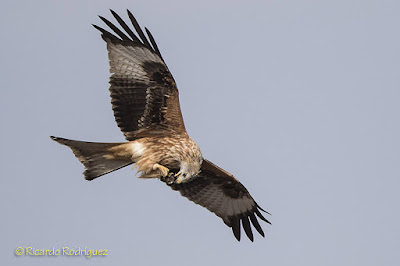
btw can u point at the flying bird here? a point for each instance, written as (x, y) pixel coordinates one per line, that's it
(145, 102)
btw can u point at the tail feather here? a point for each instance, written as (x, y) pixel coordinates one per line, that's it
(96, 157)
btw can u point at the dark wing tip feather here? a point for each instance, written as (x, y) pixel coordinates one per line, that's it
(235, 223)
(124, 26)
(256, 225)
(244, 218)
(105, 34)
(99, 28)
(121, 37)
(115, 29)
(258, 206)
(153, 42)
(247, 228)
(139, 30)
(257, 211)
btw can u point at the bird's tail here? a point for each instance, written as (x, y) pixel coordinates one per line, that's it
(98, 158)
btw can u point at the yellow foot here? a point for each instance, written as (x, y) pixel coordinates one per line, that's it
(164, 170)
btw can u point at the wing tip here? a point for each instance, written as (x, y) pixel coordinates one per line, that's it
(258, 206)
(237, 222)
(247, 227)
(129, 13)
(257, 211)
(123, 38)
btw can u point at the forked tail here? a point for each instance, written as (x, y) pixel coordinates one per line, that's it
(97, 158)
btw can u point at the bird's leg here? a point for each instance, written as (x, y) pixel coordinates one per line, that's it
(164, 170)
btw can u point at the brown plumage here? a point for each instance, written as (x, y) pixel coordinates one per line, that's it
(145, 101)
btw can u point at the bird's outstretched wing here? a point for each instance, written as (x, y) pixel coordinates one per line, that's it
(145, 99)
(222, 194)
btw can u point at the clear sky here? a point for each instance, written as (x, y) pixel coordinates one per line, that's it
(298, 99)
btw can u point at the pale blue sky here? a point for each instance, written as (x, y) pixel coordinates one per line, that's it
(298, 99)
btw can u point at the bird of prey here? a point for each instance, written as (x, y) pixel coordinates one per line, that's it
(145, 102)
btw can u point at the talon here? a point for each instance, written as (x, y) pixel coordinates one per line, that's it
(170, 179)
(179, 178)
(178, 174)
(164, 170)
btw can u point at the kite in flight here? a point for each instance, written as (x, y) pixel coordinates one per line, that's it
(145, 101)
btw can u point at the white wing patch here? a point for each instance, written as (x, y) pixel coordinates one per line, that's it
(138, 149)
